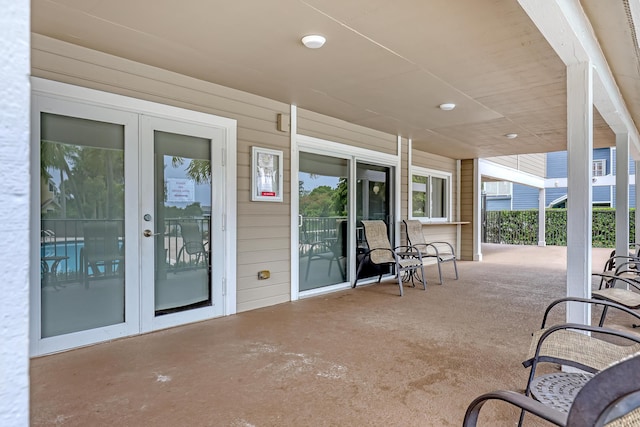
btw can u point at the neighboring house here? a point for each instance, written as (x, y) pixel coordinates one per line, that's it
(511, 196)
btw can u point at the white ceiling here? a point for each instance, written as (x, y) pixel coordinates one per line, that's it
(386, 65)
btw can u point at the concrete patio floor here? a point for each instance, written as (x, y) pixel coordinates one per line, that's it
(357, 357)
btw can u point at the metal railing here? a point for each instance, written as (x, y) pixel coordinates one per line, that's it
(62, 243)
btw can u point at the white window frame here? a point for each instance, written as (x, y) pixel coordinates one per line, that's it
(430, 173)
(602, 167)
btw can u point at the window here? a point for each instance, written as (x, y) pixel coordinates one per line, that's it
(430, 194)
(599, 167)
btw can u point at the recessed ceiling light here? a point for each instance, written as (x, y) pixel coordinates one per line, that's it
(313, 41)
(447, 107)
(511, 135)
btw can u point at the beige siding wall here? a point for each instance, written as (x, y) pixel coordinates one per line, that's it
(534, 164)
(331, 129)
(466, 209)
(263, 229)
(263, 236)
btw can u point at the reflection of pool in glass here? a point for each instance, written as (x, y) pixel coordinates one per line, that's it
(71, 250)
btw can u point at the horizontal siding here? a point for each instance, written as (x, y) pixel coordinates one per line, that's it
(557, 164)
(263, 234)
(534, 164)
(529, 163)
(508, 161)
(498, 204)
(466, 209)
(335, 130)
(525, 197)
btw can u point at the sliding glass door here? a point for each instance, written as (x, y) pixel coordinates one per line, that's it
(323, 221)
(336, 191)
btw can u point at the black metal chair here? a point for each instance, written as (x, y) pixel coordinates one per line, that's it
(611, 398)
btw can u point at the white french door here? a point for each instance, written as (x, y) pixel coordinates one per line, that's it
(182, 247)
(135, 216)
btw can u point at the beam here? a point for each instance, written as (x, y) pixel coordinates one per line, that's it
(569, 32)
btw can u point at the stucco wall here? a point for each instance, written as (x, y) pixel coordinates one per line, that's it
(14, 214)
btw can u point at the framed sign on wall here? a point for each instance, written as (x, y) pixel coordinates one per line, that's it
(266, 175)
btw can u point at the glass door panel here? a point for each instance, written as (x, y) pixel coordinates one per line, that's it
(82, 241)
(373, 198)
(183, 218)
(323, 221)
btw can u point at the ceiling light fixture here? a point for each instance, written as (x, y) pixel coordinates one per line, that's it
(511, 135)
(313, 41)
(447, 107)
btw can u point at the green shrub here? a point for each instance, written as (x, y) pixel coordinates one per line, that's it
(521, 227)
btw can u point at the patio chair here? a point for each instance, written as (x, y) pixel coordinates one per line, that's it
(101, 249)
(442, 252)
(610, 290)
(192, 243)
(381, 253)
(611, 398)
(330, 250)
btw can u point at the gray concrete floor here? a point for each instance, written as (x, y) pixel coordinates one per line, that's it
(358, 357)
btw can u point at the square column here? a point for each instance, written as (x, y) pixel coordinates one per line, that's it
(622, 194)
(542, 217)
(579, 206)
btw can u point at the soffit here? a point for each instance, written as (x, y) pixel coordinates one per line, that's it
(386, 65)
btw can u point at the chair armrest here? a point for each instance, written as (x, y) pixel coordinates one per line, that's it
(577, 350)
(516, 399)
(610, 280)
(586, 301)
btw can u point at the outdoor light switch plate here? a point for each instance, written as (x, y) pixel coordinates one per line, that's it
(264, 274)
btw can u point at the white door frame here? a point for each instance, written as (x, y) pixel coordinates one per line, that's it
(61, 98)
(354, 155)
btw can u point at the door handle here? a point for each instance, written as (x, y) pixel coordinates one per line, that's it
(149, 233)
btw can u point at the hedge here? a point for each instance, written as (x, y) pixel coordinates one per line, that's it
(521, 227)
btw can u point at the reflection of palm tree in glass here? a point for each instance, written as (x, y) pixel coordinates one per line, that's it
(198, 169)
(57, 156)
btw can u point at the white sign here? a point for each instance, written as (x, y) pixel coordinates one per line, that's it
(180, 190)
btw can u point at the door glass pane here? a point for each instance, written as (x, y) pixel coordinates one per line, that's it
(324, 195)
(373, 196)
(82, 221)
(182, 218)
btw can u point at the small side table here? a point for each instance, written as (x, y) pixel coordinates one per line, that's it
(560, 389)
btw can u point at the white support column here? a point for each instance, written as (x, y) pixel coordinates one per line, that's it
(14, 212)
(637, 194)
(579, 206)
(622, 193)
(477, 211)
(542, 216)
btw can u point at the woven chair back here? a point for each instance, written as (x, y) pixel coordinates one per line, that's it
(375, 232)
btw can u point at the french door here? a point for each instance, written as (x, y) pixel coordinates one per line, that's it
(131, 218)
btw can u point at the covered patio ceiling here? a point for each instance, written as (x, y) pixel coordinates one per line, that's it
(385, 65)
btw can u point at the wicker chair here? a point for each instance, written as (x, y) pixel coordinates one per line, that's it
(611, 398)
(380, 253)
(442, 252)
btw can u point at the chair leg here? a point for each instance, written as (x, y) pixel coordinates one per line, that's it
(439, 271)
(604, 314)
(455, 267)
(358, 270)
(424, 280)
(399, 280)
